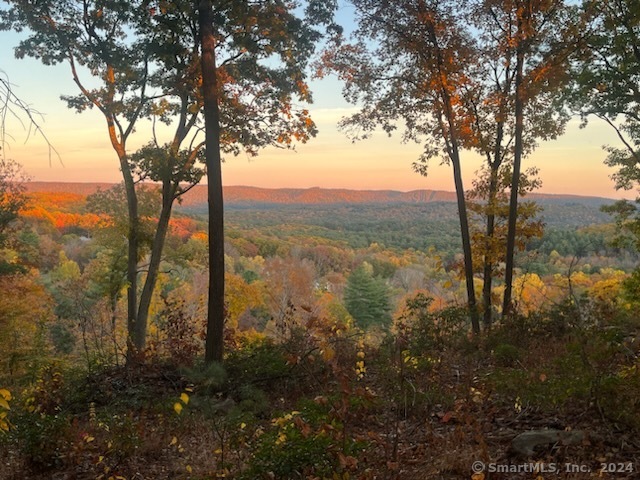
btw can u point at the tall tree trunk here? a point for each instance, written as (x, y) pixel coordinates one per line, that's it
(215, 309)
(453, 152)
(487, 273)
(466, 241)
(132, 257)
(494, 169)
(507, 304)
(154, 266)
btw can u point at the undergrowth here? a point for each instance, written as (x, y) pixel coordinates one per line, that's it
(327, 401)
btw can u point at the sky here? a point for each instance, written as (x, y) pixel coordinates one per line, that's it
(572, 164)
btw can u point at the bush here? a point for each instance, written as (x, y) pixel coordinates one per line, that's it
(259, 361)
(426, 331)
(41, 438)
(304, 444)
(506, 355)
(619, 396)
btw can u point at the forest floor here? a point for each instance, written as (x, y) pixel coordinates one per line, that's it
(450, 413)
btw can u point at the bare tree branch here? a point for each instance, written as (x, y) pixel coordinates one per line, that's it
(13, 106)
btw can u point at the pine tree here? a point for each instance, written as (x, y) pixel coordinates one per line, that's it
(367, 298)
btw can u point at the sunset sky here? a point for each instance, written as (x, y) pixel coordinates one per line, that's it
(572, 164)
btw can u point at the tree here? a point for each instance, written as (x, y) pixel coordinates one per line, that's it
(144, 60)
(290, 283)
(448, 74)
(214, 344)
(254, 56)
(146, 51)
(367, 298)
(111, 235)
(12, 177)
(541, 36)
(489, 201)
(12, 199)
(12, 193)
(24, 310)
(607, 86)
(410, 65)
(98, 38)
(608, 80)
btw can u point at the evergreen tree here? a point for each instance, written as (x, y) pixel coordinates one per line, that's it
(367, 298)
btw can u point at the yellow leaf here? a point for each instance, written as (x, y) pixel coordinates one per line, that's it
(174, 440)
(89, 438)
(281, 438)
(177, 407)
(185, 398)
(4, 393)
(4, 404)
(189, 469)
(328, 354)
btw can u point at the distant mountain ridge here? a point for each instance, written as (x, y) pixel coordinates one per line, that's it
(246, 195)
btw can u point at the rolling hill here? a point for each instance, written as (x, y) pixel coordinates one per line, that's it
(245, 195)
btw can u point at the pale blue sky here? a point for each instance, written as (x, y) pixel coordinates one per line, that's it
(572, 164)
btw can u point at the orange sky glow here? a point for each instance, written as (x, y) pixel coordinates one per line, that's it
(572, 164)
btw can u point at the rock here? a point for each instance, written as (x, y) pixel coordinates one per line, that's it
(224, 406)
(525, 443)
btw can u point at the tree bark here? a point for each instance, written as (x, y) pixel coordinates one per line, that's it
(453, 152)
(154, 266)
(133, 241)
(487, 274)
(214, 344)
(494, 168)
(132, 265)
(466, 242)
(507, 304)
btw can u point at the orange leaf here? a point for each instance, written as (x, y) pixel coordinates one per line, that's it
(447, 417)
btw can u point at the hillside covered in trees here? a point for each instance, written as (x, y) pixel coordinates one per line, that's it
(316, 294)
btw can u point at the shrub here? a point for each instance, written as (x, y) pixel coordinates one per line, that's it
(302, 444)
(426, 331)
(506, 355)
